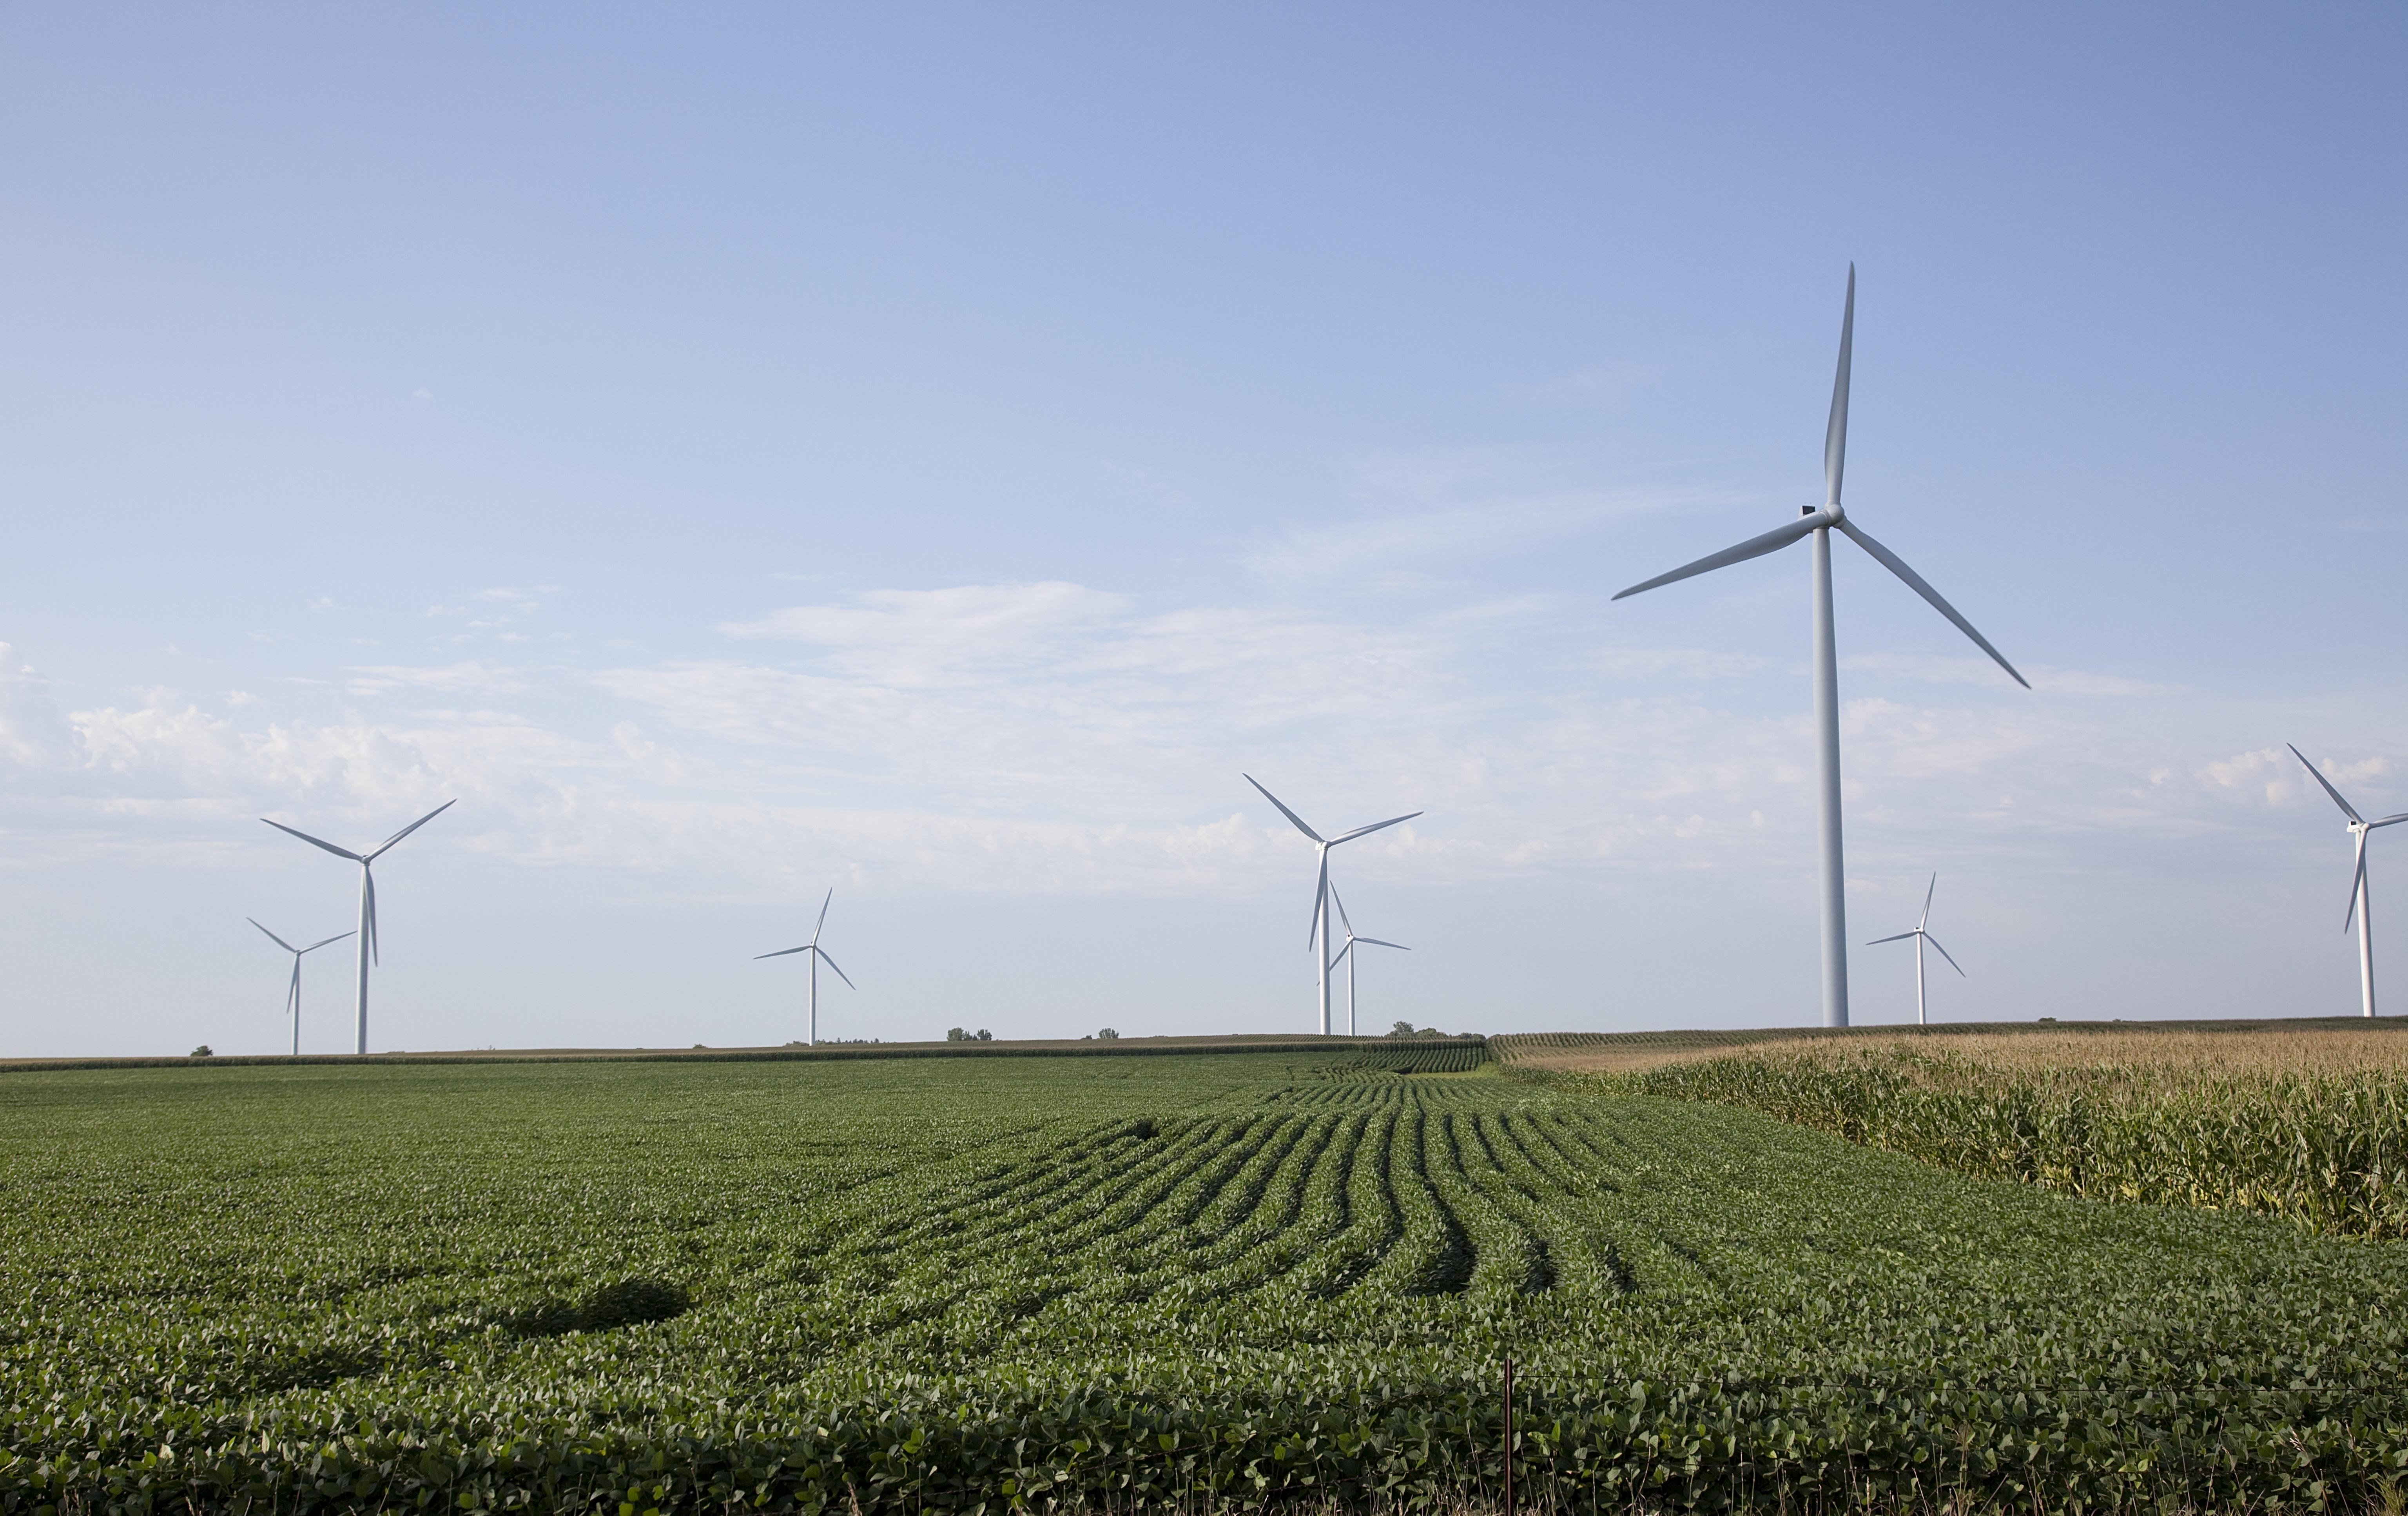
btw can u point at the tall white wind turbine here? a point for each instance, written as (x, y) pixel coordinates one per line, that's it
(1320, 943)
(817, 955)
(1817, 523)
(1921, 935)
(1348, 954)
(292, 995)
(368, 898)
(2358, 828)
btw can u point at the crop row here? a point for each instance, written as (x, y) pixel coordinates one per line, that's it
(1419, 1058)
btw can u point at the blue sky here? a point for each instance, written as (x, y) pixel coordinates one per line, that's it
(930, 451)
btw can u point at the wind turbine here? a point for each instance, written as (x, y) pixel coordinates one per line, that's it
(293, 996)
(368, 898)
(1921, 937)
(1347, 952)
(818, 954)
(1817, 523)
(1320, 943)
(2359, 827)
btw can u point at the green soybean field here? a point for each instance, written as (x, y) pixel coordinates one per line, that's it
(1248, 1280)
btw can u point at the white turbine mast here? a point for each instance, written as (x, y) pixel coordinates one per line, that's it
(2358, 828)
(1921, 935)
(1320, 943)
(817, 955)
(1348, 954)
(367, 929)
(1817, 523)
(292, 995)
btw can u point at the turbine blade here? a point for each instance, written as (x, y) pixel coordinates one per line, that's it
(412, 827)
(1343, 952)
(337, 938)
(823, 911)
(1320, 893)
(316, 842)
(1943, 952)
(1377, 943)
(1900, 937)
(1835, 437)
(840, 973)
(273, 938)
(781, 953)
(293, 994)
(1367, 831)
(1926, 919)
(1914, 582)
(1283, 809)
(1343, 919)
(2388, 820)
(2356, 882)
(368, 875)
(2347, 808)
(1755, 546)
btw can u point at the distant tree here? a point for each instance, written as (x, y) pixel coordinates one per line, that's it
(1402, 1029)
(984, 1035)
(203, 1051)
(956, 1035)
(1108, 1035)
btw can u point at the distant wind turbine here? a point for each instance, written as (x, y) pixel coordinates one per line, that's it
(367, 928)
(817, 955)
(1320, 943)
(2359, 827)
(293, 996)
(1817, 523)
(1347, 954)
(1921, 937)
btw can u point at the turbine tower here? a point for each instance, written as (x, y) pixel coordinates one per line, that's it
(1347, 954)
(1817, 523)
(292, 995)
(2359, 827)
(368, 898)
(1320, 890)
(1921, 937)
(818, 954)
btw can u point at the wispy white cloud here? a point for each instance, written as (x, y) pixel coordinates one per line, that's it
(465, 678)
(1933, 670)
(1054, 736)
(1677, 662)
(495, 610)
(1438, 534)
(926, 635)
(1597, 385)
(32, 734)
(2274, 776)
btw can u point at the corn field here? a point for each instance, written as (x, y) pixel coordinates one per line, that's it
(2326, 1151)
